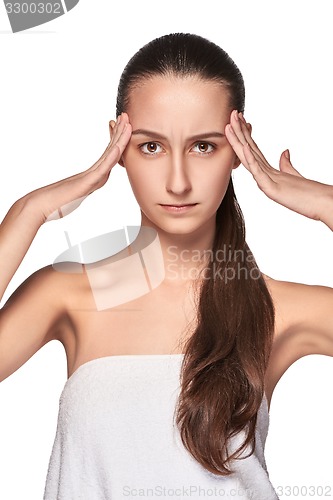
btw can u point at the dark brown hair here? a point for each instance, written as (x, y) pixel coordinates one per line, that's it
(225, 360)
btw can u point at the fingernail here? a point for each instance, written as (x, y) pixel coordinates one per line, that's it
(287, 154)
(236, 115)
(242, 118)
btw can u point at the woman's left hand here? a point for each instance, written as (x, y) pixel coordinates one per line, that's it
(285, 186)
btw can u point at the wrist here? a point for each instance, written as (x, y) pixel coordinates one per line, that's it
(326, 202)
(29, 208)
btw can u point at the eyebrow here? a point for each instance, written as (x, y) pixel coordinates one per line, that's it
(149, 133)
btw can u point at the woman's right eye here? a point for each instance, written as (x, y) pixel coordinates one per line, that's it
(150, 148)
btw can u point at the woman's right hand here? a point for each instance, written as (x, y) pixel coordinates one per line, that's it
(26, 215)
(61, 198)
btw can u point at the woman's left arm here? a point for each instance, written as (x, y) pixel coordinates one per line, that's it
(309, 307)
(285, 186)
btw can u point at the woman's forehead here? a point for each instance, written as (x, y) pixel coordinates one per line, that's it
(174, 97)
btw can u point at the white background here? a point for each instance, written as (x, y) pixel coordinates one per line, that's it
(57, 94)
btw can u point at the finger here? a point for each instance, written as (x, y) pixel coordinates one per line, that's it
(247, 124)
(113, 155)
(237, 127)
(114, 128)
(249, 129)
(115, 134)
(243, 130)
(95, 165)
(100, 174)
(238, 146)
(124, 137)
(264, 181)
(115, 131)
(112, 124)
(286, 166)
(235, 143)
(121, 122)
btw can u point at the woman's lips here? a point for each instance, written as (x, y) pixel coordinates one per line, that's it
(178, 208)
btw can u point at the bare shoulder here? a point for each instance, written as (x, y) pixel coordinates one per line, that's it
(297, 303)
(35, 314)
(46, 296)
(57, 285)
(304, 317)
(68, 283)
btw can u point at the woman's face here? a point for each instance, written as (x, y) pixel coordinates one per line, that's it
(178, 153)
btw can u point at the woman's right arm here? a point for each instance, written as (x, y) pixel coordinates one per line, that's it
(33, 313)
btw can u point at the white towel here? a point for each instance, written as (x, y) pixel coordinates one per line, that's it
(116, 438)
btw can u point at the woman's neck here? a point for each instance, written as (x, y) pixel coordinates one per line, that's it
(181, 256)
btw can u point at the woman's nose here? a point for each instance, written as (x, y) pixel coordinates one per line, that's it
(178, 180)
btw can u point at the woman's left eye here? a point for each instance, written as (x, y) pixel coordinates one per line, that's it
(204, 147)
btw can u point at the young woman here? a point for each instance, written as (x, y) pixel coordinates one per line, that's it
(176, 342)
